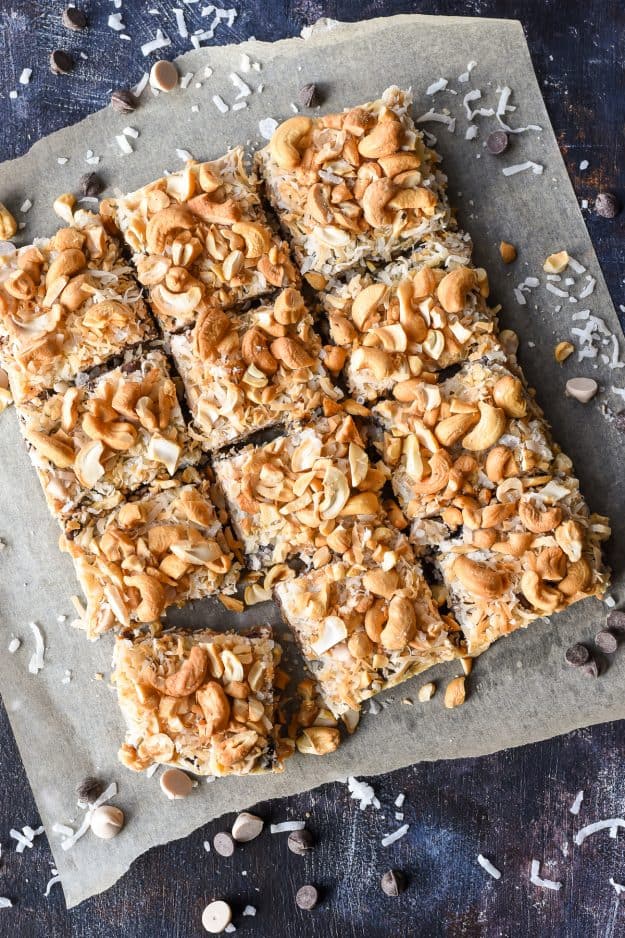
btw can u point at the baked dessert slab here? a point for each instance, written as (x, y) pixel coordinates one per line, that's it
(158, 549)
(67, 304)
(250, 371)
(93, 444)
(354, 188)
(533, 553)
(367, 621)
(460, 443)
(202, 701)
(200, 238)
(294, 495)
(413, 316)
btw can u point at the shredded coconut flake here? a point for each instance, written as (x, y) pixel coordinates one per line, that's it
(130, 132)
(243, 89)
(439, 85)
(186, 80)
(115, 22)
(537, 880)
(123, 144)
(363, 793)
(161, 41)
(399, 801)
(52, 882)
(579, 797)
(266, 126)
(588, 289)
(239, 105)
(5, 903)
(471, 132)
(184, 155)
(434, 116)
(396, 835)
(137, 89)
(249, 910)
(466, 75)
(106, 795)
(25, 76)
(219, 103)
(583, 165)
(284, 826)
(36, 662)
(13, 645)
(503, 106)
(597, 826)
(536, 168)
(618, 888)
(488, 866)
(180, 22)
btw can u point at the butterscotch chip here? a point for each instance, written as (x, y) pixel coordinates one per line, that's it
(175, 784)
(455, 693)
(107, 821)
(164, 75)
(508, 252)
(216, 917)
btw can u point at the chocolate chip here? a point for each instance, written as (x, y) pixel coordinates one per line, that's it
(497, 142)
(123, 101)
(300, 842)
(73, 18)
(606, 642)
(591, 669)
(309, 96)
(61, 63)
(307, 898)
(577, 655)
(619, 421)
(616, 621)
(223, 844)
(91, 184)
(90, 789)
(393, 882)
(607, 205)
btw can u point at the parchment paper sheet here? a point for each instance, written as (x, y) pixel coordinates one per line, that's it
(520, 691)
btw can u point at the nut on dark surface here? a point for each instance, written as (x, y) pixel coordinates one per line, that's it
(300, 842)
(393, 882)
(607, 205)
(497, 142)
(123, 101)
(90, 789)
(73, 18)
(309, 95)
(91, 185)
(61, 63)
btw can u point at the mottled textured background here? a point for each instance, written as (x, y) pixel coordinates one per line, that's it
(512, 806)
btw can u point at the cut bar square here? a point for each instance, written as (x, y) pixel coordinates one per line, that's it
(200, 238)
(532, 557)
(367, 622)
(354, 188)
(295, 495)
(474, 436)
(247, 372)
(202, 701)
(95, 443)
(67, 304)
(159, 549)
(413, 316)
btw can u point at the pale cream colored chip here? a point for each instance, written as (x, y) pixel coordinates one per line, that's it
(176, 784)
(164, 75)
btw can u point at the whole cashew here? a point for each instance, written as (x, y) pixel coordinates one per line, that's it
(162, 226)
(491, 425)
(454, 288)
(187, 679)
(540, 596)
(479, 579)
(537, 521)
(152, 595)
(376, 197)
(288, 140)
(509, 395)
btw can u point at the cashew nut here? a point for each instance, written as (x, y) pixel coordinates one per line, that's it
(291, 353)
(578, 578)
(479, 579)
(215, 707)
(538, 594)
(257, 237)
(211, 327)
(152, 595)
(537, 521)
(508, 394)
(288, 140)
(491, 425)
(8, 225)
(162, 226)
(570, 536)
(381, 582)
(449, 430)
(454, 288)
(66, 264)
(399, 163)
(501, 464)
(288, 307)
(366, 302)
(440, 465)
(401, 625)
(419, 200)
(375, 200)
(317, 204)
(551, 564)
(187, 679)
(384, 140)
(214, 213)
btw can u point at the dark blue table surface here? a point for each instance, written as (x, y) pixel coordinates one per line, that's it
(511, 806)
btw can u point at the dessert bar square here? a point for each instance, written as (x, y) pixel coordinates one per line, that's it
(354, 188)
(202, 701)
(294, 495)
(67, 304)
(530, 555)
(200, 238)
(159, 549)
(464, 441)
(407, 318)
(244, 373)
(95, 443)
(367, 622)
